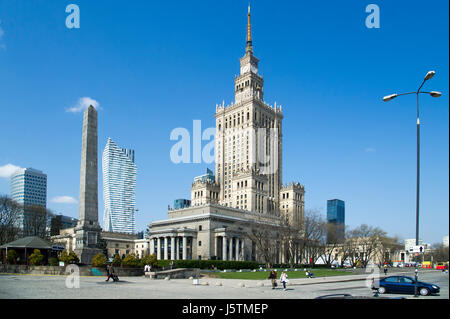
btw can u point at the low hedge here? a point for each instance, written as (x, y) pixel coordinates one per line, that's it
(300, 266)
(208, 264)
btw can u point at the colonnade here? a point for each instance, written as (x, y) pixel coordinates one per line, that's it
(227, 252)
(179, 247)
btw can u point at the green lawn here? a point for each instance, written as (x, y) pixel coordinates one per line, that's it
(260, 275)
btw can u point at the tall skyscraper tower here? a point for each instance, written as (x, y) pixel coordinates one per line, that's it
(28, 188)
(119, 188)
(249, 142)
(336, 217)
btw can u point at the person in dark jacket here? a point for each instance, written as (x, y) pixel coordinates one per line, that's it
(108, 273)
(273, 278)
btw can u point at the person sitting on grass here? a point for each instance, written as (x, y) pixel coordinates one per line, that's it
(309, 274)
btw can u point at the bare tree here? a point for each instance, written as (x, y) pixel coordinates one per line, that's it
(35, 221)
(267, 241)
(291, 236)
(366, 240)
(388, 247)
(9, 213)
(313, 235)
(265, 235)
(333, 243)
(439, 253)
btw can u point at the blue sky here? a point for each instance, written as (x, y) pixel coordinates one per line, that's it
(154, 66)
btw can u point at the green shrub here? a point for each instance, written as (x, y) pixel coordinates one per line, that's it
(36, 258)
(11, 257)
(130, 261)
(117, 261)
(209, 264)
(99, 260)
(149, 260)
(68, 258)
(52, 261)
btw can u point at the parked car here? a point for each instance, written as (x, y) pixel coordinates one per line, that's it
(405, 285)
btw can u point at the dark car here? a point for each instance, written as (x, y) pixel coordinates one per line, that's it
(405, 285)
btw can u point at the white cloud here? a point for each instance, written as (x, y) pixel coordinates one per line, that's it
(63, 200)
(83, 103)
(370, 150)
(7, 170)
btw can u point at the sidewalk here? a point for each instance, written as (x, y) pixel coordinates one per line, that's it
(249, 283)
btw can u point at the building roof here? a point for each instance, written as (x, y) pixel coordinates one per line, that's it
(28, 242)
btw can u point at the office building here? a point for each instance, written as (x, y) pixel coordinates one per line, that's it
(335, 220)
(119, 188)
(29, 188)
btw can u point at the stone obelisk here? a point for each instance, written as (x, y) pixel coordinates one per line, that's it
(88, 229)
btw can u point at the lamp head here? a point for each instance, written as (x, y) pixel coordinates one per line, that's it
(429, 75)
(389, 97)
(435, 93)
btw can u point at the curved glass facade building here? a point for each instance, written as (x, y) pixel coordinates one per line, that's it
(119, 188)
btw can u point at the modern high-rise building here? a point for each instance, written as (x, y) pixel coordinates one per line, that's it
(28, 188)
(119, 188)
(56, 223)
(181, 203)
(336, 217)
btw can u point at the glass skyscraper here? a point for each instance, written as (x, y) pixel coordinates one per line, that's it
(28, 188)
(119, 188)
(336, 216)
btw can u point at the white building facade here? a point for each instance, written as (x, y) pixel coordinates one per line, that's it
(119, 188)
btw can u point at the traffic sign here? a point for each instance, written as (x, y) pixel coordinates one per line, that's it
(417, 249)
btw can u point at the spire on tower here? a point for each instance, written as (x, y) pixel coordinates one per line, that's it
(249, 33)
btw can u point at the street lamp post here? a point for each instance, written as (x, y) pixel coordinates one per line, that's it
(387, 98)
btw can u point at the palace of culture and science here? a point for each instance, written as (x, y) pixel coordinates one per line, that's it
(247, 187)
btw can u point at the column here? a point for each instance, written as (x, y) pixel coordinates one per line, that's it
(152, 246)
(177, 253)
(194, 253)
(172, 248)
(230, 245)
(237, 247)
(158, 248)
(224, 248)
(242, 249)
(184, 248)
(166, 249)
(216, 246)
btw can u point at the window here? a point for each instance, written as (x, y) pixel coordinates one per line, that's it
(199, 243)
(405, 280)
(200, 227)
(391, 279)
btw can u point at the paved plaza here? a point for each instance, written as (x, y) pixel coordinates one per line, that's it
(54, 287)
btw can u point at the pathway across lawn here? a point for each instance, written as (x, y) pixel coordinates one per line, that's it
(261, 275)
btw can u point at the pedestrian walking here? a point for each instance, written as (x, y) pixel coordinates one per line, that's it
(385, 269)
(171, 264)
(107, 273)
(273, 278)
(375, 286)
(112, 274)
(284, 279)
